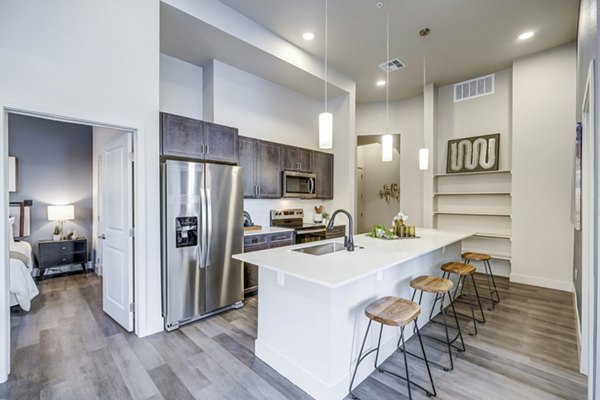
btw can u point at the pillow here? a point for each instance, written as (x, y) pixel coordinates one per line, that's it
(11, 222)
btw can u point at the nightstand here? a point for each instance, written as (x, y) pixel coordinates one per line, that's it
(55, 253)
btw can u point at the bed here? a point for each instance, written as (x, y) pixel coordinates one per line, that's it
(22, 286)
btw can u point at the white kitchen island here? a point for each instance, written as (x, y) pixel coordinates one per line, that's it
(310, 308)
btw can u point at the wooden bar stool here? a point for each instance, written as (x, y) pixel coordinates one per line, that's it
(485, 258)
(463, 271)
(439, 286)
(393, 311)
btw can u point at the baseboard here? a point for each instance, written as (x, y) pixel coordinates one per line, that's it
(578, 321)
(548, 283)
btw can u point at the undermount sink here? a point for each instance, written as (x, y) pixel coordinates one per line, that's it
(322, 249)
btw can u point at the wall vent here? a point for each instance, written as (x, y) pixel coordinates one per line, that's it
(472, 88)
(392, 65)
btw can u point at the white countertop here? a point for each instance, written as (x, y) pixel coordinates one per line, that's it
(266, 230)
(339, 268)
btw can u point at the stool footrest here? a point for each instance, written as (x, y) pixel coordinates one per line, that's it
(429, 394)
(443, 340)
(465, 316)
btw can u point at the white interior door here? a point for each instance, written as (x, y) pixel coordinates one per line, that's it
(116, 229)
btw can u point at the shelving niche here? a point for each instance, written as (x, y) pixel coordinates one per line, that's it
(479, 201)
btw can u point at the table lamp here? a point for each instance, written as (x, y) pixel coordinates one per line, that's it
(61, 214)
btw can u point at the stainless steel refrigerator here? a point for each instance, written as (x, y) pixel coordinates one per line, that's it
(202, 227)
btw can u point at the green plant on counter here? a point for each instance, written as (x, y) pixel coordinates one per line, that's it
(380, 230)
(56, 230)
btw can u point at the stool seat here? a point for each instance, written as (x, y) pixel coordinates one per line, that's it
(393, 311)
(431, 284)
(472, 256)
(458, 268)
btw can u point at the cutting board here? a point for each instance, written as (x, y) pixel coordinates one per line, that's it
(253, 228)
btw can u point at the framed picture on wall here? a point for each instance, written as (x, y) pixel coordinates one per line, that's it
(473, 154)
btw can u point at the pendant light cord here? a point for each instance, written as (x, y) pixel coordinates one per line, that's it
(326, 7)
(387, 71)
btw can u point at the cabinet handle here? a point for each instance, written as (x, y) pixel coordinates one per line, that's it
(207, 149)
(201, 149)
(64, 248)
(258, 190)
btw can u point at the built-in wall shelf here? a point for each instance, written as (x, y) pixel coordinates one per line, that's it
(470, 213)
(494, 256)
(472, 194)
(480, 202)
(501, 171)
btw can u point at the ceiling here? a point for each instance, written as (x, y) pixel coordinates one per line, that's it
(468, 38)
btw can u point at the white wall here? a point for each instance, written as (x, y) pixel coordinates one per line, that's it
(100, 136)
(267, 111)
(377, 173)
(180, 87)
(94, 61)
(405, 118)
(474, 117)
(543, 156)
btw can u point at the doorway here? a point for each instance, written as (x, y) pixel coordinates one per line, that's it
(378, 182)
(114, 144)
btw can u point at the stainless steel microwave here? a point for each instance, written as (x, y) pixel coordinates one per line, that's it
(299, 184)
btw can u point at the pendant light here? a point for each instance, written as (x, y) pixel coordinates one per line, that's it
(387, 141)
(326, 118)
(424, 151)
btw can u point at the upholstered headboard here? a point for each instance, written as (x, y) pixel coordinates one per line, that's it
(21, 211)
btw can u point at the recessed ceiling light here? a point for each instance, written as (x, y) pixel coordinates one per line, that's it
(525, 35)
(308, 36)
(380, 83)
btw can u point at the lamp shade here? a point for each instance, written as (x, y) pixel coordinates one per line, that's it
(325, 130)
(61, 213)
(387, 146)
(423, 158)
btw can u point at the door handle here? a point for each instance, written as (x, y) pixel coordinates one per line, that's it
(209, 227)
(103, 237)
(202, 242)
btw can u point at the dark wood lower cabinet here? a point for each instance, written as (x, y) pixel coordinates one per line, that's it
(257, 242)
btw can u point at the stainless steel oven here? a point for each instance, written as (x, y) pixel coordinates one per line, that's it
(310, 234)
(299, 184)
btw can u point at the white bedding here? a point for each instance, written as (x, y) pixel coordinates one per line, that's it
(22, 285)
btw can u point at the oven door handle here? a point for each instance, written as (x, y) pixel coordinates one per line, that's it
(311, 231)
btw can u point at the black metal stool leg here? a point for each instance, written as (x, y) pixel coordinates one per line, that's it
(360, 358)
(443, 311)
(426, 363)
(478, 299)
(493, 281)
(487, 277)
(405, 364)
(378, 344)
(471, 305)
(457, 325)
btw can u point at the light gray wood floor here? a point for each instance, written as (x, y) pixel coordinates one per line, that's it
(67, 348)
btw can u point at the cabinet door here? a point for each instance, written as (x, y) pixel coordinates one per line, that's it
(323, 168)
(221, 143)
(289, 158)
(181, 136)
(305, 160)
(268, 170)
(247, 161)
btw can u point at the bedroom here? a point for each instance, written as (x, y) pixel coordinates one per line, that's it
(56, 203)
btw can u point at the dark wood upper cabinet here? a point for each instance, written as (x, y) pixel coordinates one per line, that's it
(221, 143)
(323, 168)
(247, 160)
(296, 159)
(191, 138)
(260, 161)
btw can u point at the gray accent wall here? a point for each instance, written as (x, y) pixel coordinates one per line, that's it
(54, 167)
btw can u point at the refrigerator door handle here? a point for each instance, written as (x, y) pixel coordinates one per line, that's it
(202, 242)
(208, 227)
